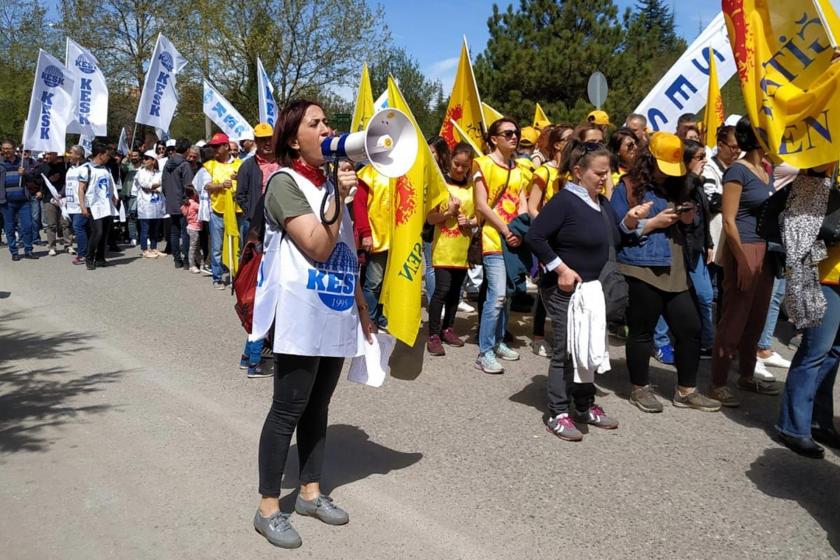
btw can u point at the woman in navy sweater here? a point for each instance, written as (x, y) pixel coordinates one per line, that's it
(571, 237)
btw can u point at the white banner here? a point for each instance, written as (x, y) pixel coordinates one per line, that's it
(683, 89)
(159, 98)
(221, 112)
(268, 107)
(90, 92)
(50, 107)
(86, 142)
(62, 204)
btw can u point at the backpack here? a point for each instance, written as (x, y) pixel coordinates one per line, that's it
(244, 285)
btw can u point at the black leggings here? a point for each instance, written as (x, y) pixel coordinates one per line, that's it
(303, 387)
(645, 305)
(448, 283)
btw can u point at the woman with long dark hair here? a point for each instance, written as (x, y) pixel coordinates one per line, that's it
(309, 291)
(747, 274)
(657, 273)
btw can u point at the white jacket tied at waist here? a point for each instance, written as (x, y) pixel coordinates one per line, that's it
(587, 332)
(312, 305)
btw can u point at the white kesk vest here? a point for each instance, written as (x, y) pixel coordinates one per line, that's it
(100, 188)
(312, 305)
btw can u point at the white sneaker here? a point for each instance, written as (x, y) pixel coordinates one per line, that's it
(541, 348)
(52, 253)
(465, 307)
(775, 360)
(762, 374)
(195, 270)
(71, 250)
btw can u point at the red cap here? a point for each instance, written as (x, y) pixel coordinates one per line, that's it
(218, 138)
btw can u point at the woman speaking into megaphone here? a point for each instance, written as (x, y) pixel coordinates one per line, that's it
(308, 288)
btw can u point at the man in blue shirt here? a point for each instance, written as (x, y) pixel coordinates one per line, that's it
(15, 202)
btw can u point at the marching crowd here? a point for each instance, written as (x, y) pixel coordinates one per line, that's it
(651, 237)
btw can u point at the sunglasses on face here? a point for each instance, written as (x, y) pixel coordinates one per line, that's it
(509, 134)
(591, 147)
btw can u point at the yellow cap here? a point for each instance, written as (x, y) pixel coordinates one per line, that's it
(528, 136)
(601, 118)
(667, 148)
(263, 130)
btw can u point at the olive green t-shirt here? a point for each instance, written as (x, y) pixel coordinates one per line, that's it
(285, 200)
(672, 278)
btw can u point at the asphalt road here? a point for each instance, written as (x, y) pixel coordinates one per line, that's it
(128, 431)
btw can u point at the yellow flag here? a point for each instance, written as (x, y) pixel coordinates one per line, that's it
(540, 120)
(464, 105)
(230, 241)
(462, 135)
(364, 103)
(414, 194)
(790, 88)
(714, 115)
(491, 115)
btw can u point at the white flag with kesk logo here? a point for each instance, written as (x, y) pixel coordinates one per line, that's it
(90, 92)
(159, 97)
(50, 107)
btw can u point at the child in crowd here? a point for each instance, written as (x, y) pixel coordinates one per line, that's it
(189, 209)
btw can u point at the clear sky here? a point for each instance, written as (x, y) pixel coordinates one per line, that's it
(431, 30)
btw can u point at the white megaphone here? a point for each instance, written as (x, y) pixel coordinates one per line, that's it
(388, 142)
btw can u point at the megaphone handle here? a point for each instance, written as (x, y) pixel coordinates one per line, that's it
(334, 219)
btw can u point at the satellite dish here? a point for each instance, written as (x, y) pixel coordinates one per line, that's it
(597, 89)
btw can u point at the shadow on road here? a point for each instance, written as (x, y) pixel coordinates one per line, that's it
(350, 456)
(32, 399)
(813, 484)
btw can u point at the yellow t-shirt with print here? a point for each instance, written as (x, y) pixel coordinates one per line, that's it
(379, 206)
(494, 176)
(219, 173)
(547, 177)
(450, 244)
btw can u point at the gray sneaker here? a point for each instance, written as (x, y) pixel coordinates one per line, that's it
(488, 363)
(277, 530)
(644, 398)
(697, 401)
(322, 508)
(596, 416)
(563, 427)
(504, 352)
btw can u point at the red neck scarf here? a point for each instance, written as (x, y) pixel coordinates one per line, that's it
(314, 174)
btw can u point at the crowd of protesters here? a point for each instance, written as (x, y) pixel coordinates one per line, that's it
(655, 238)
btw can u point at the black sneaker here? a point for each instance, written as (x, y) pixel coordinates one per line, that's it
(16, 257)
(30, 256)
(179, 264)
(101, 262)
(705, 353)
(90, 265)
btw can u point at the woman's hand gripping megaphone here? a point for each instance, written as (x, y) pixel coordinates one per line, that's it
(347, 181)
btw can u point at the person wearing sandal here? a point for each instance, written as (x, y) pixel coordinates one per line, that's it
(453, 228)
(571, 237)
(657, 269)
(315, 324)
(747, 275)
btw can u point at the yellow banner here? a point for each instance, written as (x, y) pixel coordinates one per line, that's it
(714, 115)
(540, 120)
(464, 106)
(789, 84)
(364, 103)
(491, 115)
(419, 190)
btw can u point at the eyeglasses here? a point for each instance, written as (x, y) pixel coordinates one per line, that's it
(509, 134)
(592, 147)
(699, 157)
(733, 147)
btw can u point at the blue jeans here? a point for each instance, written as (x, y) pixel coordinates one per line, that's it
(217, 236)
(35, 207)
(766, 340)
(429, 271)
(372, 288)
(494, 314)
(660, 333)
(702, 282)
(12, 212)
(149, 233)
(807, 400)
(179, 241)
(253, 351)
(80, 225)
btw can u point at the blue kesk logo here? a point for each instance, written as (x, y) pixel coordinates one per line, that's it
(85, 64)
(335, 280)
(208, 95)
(52, 76)
(166, 60)
(104, 185)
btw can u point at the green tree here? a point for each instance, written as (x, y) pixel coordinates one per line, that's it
(422, 95)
